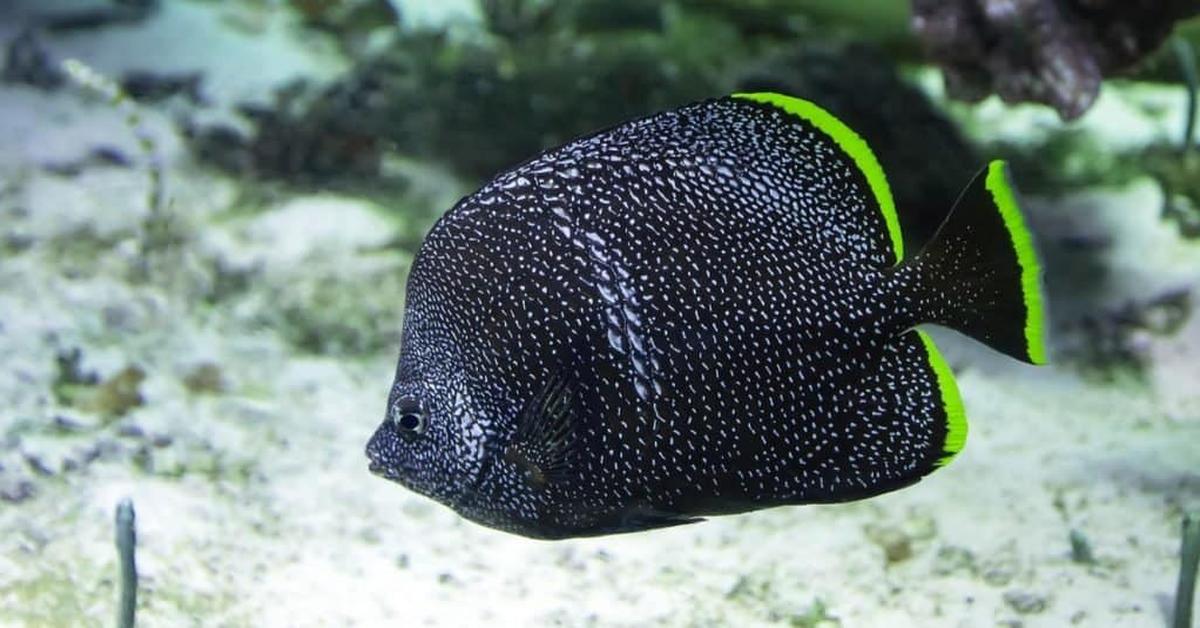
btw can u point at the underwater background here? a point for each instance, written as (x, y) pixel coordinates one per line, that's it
(208, 210)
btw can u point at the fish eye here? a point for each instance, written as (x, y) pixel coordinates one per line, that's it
(408, 419)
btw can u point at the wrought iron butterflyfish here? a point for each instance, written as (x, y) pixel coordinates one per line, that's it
(702, 312)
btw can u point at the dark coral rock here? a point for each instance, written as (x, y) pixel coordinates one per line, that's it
(345, 16)
(154, 87)
(1106, 341)
(306, 136)
(29, 63)
(117, 12)
(480, 105)
(1049, 51)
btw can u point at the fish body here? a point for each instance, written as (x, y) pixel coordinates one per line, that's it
(702, 312)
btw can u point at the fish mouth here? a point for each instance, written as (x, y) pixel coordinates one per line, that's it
(382, 470)
(377, 457)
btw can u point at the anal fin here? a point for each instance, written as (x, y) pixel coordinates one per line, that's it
(905, 421)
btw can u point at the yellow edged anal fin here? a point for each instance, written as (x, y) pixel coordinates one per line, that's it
(956, 417)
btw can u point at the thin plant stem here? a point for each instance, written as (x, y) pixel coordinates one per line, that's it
(126, 545)
(1189, 559)
(1186, 56)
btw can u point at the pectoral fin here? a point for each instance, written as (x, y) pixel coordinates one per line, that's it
(543, 447)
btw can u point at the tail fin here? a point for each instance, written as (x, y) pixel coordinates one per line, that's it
(980, 274)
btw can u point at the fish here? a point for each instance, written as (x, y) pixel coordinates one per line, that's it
(703, 312)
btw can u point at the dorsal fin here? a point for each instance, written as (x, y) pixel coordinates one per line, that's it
(853, 145)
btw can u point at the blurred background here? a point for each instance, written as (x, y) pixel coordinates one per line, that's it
(208, 209)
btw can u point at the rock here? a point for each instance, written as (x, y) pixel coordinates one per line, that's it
(1081, 548)
(131, 431)
(29, 63)
(154, 87)
(204, 378)
(119, 394)
(67, 425)
(1049, 51)
(952, 559)
(999, 572)
(37, 465)
(310, 225)
(1173, 366)
(895, 543)
(1025, 602)
(16, 490)
(97, 15)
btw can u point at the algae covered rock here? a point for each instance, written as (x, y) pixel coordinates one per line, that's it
(1055, 52)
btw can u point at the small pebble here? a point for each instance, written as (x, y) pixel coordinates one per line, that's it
(1025, 602)
(999, 575)
(37, 465)
(66, 424)
(16, 492)
(131, 431)
(896, 545)
(1081, 548)
(205, 379)
(951, 559)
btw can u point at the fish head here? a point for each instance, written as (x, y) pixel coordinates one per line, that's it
(426, 441)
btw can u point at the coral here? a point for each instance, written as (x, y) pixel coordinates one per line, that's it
(542, 74)
(1049, 51)
(548, 72)
(1179, 177)
(345, 16)
(1115, 341)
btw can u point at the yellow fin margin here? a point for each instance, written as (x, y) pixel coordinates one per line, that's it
(853, 145)
(956, 416)
(997, 183)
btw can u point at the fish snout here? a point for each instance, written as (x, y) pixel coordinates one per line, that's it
(376, 455)
(381, 469)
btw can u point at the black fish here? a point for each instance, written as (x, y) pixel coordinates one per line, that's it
(702, 312)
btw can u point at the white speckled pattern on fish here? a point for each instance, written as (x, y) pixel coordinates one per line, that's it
(714, 284)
